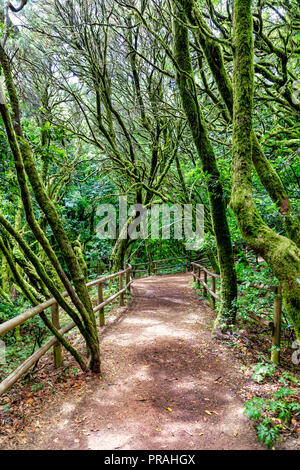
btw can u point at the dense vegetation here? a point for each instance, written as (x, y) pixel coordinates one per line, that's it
(176, 102)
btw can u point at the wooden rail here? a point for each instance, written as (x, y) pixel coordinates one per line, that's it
(155, 265)
(9, 325)
(277, 308)
(125, 281)
(197, 269)
(127, 275)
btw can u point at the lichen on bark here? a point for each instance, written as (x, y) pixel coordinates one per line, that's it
(265, 170)
(282, 255)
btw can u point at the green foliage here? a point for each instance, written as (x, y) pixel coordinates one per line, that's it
(254, 301)
(286, 377)
(32, 335)
(80, 168)
(5, 408)
(8, 311)
(263, 370)
(272, 415)
(37, 387)
(253, 408)
(267, 433)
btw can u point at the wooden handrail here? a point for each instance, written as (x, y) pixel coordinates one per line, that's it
(206, 288)
(272, 288)
(168, 266)
(9, 381)
(170, 259)
(255, 286)
(212, 274)
(23, 317)
(52, 303)
(107, 278)
(261, 286)
(113, 297)
(53, 342)
(129, 269)
(156, 267)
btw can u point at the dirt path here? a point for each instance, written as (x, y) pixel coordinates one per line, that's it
(165, 385)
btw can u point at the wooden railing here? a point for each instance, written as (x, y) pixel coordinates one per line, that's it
(198, 268)
(125, 280)
(156, 265)
(146, 268)
(126, 275)
(9, 325)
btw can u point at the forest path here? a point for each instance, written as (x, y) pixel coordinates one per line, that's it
(166, 384)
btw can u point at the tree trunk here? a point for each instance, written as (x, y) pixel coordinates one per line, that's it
(266, 172)
(118, 255)
(190, 103)
(25, 165)
(281, 254)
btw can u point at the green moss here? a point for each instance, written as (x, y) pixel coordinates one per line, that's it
(196, 121)
(25, 166)
(118, 255)
(266, 172)
(282, 255)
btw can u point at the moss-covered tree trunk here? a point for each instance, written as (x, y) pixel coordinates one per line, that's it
(118, 255)
(266, 172)
(191, 106)
(5, 277)
(281, 254)
(25, 166)
(120, 248)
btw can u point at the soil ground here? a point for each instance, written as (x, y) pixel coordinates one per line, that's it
(165, 384)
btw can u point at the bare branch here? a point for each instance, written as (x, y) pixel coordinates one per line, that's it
(19, 8)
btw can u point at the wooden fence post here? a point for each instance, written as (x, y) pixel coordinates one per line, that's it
(199, 276)
(186, 265)
(275, 354)
(194, 277)
(57, 349)
(120, 288)
(205, 280)
(127, 278)
(100, 300)
(213, 288)
(149, 268)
